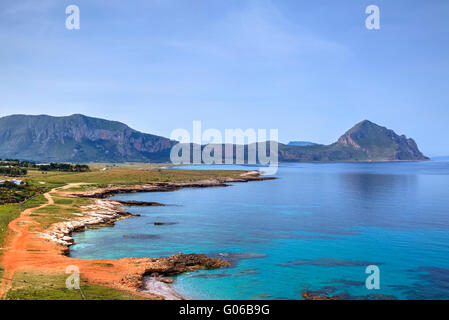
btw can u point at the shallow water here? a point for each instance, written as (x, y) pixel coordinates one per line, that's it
(315, 228)
(153, 286)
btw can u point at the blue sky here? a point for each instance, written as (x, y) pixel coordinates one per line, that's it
(309, 68)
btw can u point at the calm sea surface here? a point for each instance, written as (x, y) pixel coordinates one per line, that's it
(317, 227)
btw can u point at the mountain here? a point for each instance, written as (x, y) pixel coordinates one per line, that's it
(301, 143)
(366, 141)
(77, 138)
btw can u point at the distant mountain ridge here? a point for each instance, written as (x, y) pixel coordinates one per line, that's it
(78, 138)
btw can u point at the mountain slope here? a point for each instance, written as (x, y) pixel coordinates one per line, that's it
(77, 138)
(366, 141)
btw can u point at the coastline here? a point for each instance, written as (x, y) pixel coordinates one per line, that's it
(126, 274)
(160, 287)
(106, 213)
(112, 211)
(109, 191)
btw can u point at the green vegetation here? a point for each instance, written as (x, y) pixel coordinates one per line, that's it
(132, 176)
(12, 193)
(102, 264)
(38, 286)
(17, 163)
(33, 202)
(13, 171)
(129, 165)
(66, 167)
(71, 201)
(11, 211)
(63, 209)
(18, 168)
(14, 167)
(8, 212)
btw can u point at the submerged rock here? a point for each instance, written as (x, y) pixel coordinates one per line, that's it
(234, 257)
(142, 236)
(164, 223)
(139, 203)
(211, 275)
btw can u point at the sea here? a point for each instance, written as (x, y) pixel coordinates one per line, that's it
(349, 230)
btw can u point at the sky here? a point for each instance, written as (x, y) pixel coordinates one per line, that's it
(310, 69)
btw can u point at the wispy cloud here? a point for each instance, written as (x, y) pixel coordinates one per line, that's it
(257, 29)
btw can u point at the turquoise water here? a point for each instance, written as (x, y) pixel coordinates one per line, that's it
(317, 227)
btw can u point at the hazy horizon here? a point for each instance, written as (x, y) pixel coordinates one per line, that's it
(310, 69)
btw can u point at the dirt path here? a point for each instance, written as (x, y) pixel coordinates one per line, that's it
(17, 244)
(16, 250)
(28, 251)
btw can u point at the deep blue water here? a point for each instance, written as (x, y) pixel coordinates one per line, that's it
(315, 228)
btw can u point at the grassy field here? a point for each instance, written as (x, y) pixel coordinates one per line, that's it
(134, 165)
(63, 209)
(38, 286)
(9, 212)
(128, 176)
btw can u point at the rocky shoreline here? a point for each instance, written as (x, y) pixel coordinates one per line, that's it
(105, 212)
(101, 213)
(150, 275)
(111, 190)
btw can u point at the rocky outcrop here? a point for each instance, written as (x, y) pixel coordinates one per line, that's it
(180, 263)
(378, 142)
(168, 266)
(101, 213)
(308, 295)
